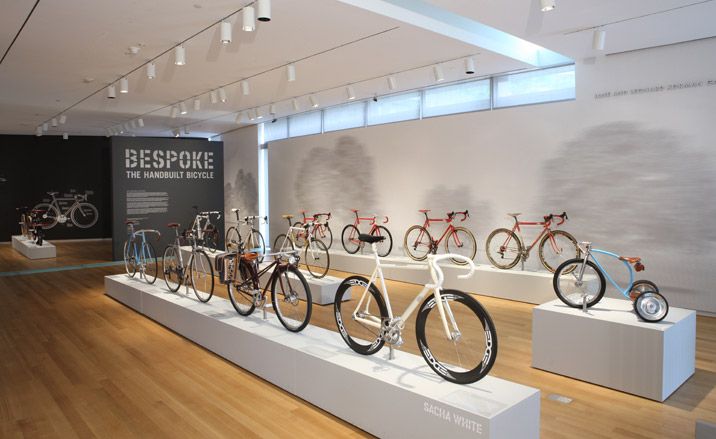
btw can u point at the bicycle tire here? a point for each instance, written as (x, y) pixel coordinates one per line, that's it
(484, 351)
(417, 242)
(349, 239)
(151, 267)
(503, 247)
(50, 216)
(569, 254)
(130, 261)
(170, 264)
(201, 270)
(326, 235)
(314, 255)
(242, 295)
(468, 239)
(299, 310)
(88, 210)
(362, 339)
(283, 243)
(232, 239)
(651, 306)
(385, 246)
(259, 245)
(570, 290)
(211, 239)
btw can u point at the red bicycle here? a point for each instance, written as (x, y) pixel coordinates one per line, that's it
(418, 243)
(320, 230)
(505, 247)
(349, 236)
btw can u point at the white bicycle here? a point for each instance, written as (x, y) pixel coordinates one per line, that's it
(455, 333)
(81, 213)
(297, 237)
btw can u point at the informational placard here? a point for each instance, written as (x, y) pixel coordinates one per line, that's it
(158, 181)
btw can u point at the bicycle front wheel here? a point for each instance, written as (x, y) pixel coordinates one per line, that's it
(291, 298)
(241, 289)
(202, 276)
(469, 352)
(316, 258)
(283, 244)
(84, 216)
(149, 262)
(417, 243)
(257, 244)
(503, 248)
(385, 246)
(325, 234)
(462, 242)
(130, 258)
(211, 239)
(349, 239)
(355, 313)
(556, 247)
(574, 288)
(173, 273)
(232, 239)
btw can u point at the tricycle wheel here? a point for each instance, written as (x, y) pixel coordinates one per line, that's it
(642, 286)
(651, 306)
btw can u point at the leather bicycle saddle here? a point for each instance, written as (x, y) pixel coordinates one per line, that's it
(131, 222)
(424, 210)
(370, 239)
(630, 259)
(354, 210)
(514, 214)
(286, 216)
(173, 225)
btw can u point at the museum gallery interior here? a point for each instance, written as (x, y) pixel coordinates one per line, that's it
(358, 218)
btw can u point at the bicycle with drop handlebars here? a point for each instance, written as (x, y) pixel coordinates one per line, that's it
(139, 255)
(419, 243)
(254, 240)
(205, 232)
(320, 228)
(349, 236)
(197, 271)
(315, 253)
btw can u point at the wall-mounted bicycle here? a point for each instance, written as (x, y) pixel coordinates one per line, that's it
(349, 236)
(81, 213)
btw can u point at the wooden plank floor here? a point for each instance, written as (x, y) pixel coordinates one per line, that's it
(75, 363)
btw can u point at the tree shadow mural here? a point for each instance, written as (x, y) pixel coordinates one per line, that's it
(640, 191)
(241, 192)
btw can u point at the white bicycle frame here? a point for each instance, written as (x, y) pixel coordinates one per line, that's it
(436, 286)
(294, 231)
(56, 203)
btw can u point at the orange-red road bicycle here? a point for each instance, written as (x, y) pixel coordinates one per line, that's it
(419, 243)
(349, 236)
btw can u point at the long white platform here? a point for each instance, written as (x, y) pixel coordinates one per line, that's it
(610, 346)
(30, 250)
(390, 399)
(523, 286)
(323, 290)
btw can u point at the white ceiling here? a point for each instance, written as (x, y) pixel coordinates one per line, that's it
(333, 44)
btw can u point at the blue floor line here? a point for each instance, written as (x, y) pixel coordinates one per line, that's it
(55, 269)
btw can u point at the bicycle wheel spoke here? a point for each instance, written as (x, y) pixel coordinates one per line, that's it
(572, 289)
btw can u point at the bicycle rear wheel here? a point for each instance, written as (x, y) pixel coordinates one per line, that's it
(503, 248)
(211, 239)
(573, 290)
(462, 242)
(470, 351)
(291, 298)
(325, 234)
(256, 244)
(202, 276)
(385, 246)
(173, 273)
(130, 258)
(316, 258)
(241, 292)
(417, 243)
(359, 336)
(556, 247)
(149, 262)
(651, 306)
(349, 239)
(283, 243)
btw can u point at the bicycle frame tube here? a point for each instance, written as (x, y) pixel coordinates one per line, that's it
(624, 291)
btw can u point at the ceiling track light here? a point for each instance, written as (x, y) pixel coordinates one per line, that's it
(38, 131)
(272, 109)
(238, 118)
(126, 126)
(187, 130)
(175, 132)
(175, 112)
(438, 73)
(108, 132)
(314, 101)
(63, 119)
(259, 113)
(350, 93)
(197, 104)
(598, 39)
(225, 33)
(212, 97)
(291, 72)
(251, 114)
(182, 108)
(263, 10)
(180, 55)
(140, 122)
(111, 92)
(151, 70)
(392, 82)
(469, 66)
(249, 17)
(45, 126)
(547, 5)
(133, 124)
(296, 105)
(53, 122)
(222, 94)
(245, 88)
(124, 85)
(65, 136)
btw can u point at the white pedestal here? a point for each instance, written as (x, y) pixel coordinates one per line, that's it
(29, 249)
(323, 290)
(399, 398)
(610, 346)
(524, 286)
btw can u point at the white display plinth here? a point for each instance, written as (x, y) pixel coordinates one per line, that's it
(323, 290)
(398, 398)
(29, 249)
(609, 345)
(524, 286)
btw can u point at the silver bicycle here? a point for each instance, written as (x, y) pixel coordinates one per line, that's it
(198, 270)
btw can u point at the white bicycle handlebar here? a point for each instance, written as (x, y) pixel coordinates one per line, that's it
(437, 270)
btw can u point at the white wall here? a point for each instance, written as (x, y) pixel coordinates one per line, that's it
(241, 173)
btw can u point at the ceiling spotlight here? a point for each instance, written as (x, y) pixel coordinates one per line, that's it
(238, 118)
(151, 70)
(197, 104)
(438, 73)
(245, 89)
(392, 82)
(126, 126)
(547, 5)
(248, 19)
(65, 136)
(140, 122)
(222, 94)
(599, 38)
(63, 119)
(252, 115)
(45, 126)
(469, 66)
(259, 113)
(54, 121)
(314, 101)
(264, 10)
(108, 132)
(225, 32)
(38, 131)
(182, 108)
(350, 93)
(133, 124)
(272, 109)
(175, 131)
(124, 85)
(179, 55)
(212, 97)
(375, 98)
(187, 130)
(295, 104)
(111, 92)
(175, 112)
(291, 72)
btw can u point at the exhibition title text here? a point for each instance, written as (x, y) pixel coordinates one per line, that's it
(168, 164)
